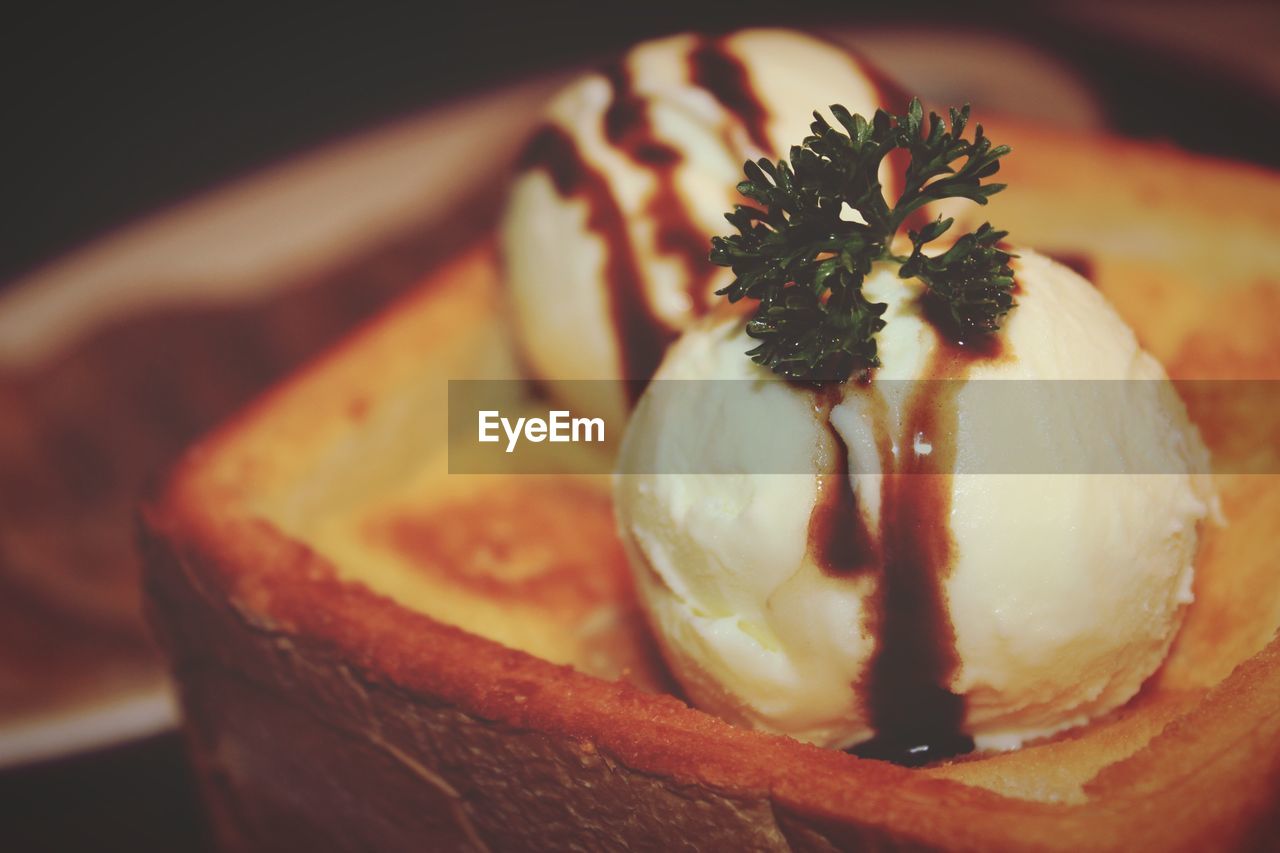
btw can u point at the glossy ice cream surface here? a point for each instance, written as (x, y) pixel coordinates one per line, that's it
(890, 589)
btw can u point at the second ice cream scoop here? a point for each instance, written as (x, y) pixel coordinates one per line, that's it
(607, 231)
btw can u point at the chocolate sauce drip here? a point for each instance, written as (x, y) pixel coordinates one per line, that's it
(628, 126)
(1081, 263)
(642, 337)
(839, 540)
(714, 68)
(917, 719)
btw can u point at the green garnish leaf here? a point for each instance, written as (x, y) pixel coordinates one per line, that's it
(972, 279)
(820, 219)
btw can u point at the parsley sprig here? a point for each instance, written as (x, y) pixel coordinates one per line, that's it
(804, 257)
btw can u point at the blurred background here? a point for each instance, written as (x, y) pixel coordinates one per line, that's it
(117, 112)
(118, 118)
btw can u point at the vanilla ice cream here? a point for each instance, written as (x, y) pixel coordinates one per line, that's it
(608, 225)
(849, 599)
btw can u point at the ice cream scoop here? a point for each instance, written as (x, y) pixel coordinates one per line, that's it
(607, 230)
(885, 583)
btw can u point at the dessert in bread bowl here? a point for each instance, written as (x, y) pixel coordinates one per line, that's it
(907, 588)
(376, 654)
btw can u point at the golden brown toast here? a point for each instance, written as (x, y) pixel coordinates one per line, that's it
(375, 654)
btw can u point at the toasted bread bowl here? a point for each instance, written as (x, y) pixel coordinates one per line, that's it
(373, 654)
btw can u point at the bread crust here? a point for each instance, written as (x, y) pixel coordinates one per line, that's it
(283, 671)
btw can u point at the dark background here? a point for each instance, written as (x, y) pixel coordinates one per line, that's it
(114, 111)
(111, 113)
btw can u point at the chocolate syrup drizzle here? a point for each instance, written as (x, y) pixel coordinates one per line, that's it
(839, 539)
(627, 125)
(714, 68)
(1079, 262)
(916, 718)
(641, 335)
